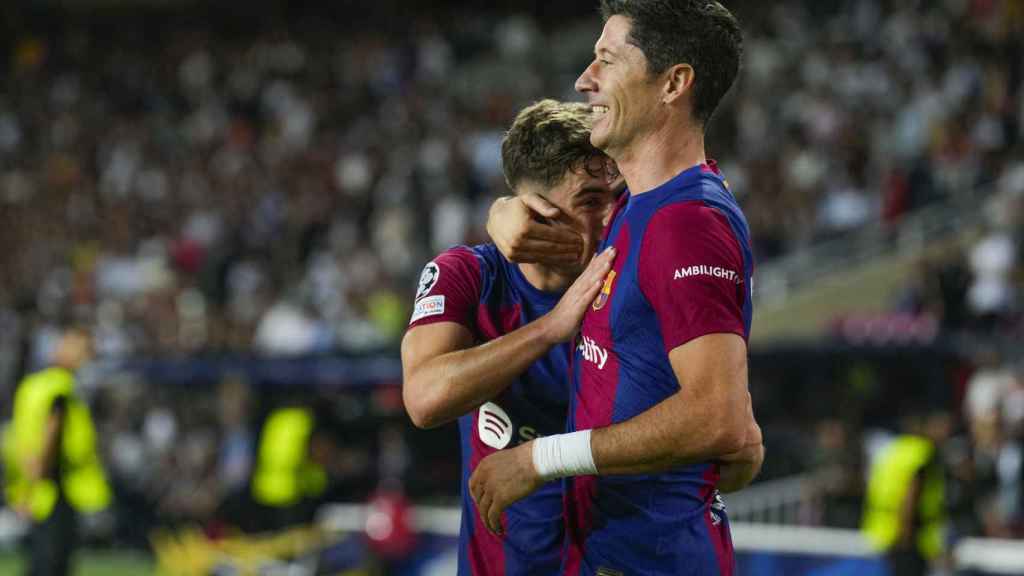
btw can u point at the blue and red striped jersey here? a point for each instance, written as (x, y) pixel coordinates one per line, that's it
(683, 270)
(481, 290)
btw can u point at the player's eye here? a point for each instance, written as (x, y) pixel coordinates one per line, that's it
(603, 61)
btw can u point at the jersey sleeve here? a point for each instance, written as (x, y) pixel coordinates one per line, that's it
(691, 272)
(449, 289)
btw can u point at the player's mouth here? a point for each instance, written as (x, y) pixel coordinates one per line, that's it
(598, 111)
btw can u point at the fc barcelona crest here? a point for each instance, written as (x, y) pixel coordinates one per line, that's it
(606, 291)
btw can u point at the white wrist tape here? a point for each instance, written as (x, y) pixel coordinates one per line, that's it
(563, 455)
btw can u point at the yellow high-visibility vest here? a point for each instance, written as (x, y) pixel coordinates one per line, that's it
(888, 485)
(82, 478)
(284, 473)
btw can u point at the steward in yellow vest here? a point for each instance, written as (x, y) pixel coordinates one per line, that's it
(286, 481)
(52, 468)
(905, 507)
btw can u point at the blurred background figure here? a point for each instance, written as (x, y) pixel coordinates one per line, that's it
(301, 458)
(287, 480)
(53, 470)
(905, 509)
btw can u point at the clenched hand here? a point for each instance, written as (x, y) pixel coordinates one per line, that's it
(500, 480)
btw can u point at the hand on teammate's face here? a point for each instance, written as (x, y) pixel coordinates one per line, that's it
(500, 480)
(525, 230)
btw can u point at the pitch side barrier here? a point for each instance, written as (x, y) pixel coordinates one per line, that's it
(761, 549)
(333, 371)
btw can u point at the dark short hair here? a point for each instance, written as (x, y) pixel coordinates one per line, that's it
(546, 140)
(701, 33)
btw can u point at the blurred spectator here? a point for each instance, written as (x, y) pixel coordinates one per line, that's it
(905, 511)
(279, 188)
(237, 443)
(993, 407)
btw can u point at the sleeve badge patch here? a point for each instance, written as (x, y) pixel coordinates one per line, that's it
(428, 279)
(427, 307)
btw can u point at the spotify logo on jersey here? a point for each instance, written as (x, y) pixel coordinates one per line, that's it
(494, 426)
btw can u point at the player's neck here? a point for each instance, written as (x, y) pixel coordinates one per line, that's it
(660, 156)
(545, 279)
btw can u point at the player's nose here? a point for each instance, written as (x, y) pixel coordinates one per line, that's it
(586, 82)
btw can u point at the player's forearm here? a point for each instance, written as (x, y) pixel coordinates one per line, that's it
(452, 384)
(708, 418)
(672, 433)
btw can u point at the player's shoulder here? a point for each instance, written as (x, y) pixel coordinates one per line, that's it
(476, 265)
(457, 255)
(455, 266)
(486, 254)
(691, 229)
(689, 217)
(461, 258)
(705, 203)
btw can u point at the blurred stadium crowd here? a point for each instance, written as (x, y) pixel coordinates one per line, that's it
(188, 184)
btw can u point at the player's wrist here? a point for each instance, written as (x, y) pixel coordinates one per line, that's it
(548, 330)
(563, 455)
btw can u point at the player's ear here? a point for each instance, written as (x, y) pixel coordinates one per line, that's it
(678, 81)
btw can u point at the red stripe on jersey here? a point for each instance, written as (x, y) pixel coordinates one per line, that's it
(599, 364)
(722, 541)
(508, 319)
(578, 520)
(486, 551)
(711, 476)
(719, 533)
(594, 408)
